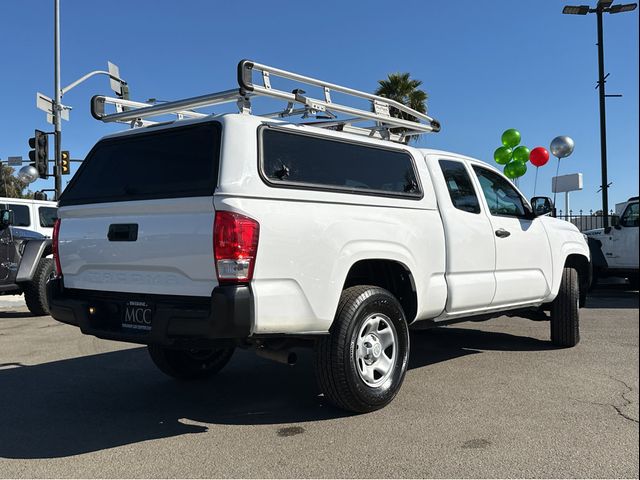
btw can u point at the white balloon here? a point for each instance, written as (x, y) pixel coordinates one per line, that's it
(28, 174)
(562, 146)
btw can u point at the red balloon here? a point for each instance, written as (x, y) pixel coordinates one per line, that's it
(539, 156)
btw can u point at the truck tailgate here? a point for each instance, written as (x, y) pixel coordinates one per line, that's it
(155, 246)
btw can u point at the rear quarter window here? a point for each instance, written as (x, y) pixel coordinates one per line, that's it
(47, 216)
(168, 163)
(461, 191)
(306, 161)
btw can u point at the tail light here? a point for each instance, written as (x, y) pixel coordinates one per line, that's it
(235, 243)
(54, 247)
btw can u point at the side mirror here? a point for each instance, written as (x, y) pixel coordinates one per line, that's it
(6, 218)
(542, 206)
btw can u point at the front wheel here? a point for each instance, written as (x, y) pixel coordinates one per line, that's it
(565, 311)
(190, 364)
(361, 365)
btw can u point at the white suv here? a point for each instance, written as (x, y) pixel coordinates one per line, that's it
(36, 215)
(246, 231)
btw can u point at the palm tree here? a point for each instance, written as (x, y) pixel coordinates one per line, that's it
(402, 88)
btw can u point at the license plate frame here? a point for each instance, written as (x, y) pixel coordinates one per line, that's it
(137, 316)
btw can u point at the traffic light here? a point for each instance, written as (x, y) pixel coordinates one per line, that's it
(39, 156)
(65, 162)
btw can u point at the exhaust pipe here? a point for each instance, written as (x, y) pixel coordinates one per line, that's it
(281, 356)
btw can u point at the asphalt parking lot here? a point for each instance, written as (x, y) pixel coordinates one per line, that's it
(490, 399)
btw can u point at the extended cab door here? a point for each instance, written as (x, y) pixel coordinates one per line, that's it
(523, 270)
(470, 244)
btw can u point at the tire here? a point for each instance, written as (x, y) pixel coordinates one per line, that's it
(35, 291)
(594, 280)
(583, 289)
(367, 319)
(190, 364)
(565, 311)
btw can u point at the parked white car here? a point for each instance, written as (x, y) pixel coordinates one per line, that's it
(245, 231)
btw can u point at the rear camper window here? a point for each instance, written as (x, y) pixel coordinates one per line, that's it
(306, 161)
(170, 163)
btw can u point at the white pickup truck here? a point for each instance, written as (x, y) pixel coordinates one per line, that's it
(614, 250)
(240, 230)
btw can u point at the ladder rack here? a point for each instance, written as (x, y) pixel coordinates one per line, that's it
(385, 125)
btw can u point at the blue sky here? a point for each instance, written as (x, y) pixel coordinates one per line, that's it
(486, 66)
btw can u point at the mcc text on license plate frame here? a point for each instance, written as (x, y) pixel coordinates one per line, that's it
(137, 315)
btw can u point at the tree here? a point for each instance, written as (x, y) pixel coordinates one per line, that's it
(403, 89)
(11, 186)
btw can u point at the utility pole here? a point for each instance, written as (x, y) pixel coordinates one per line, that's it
(603, 121)
(57, 106)
(603, 6)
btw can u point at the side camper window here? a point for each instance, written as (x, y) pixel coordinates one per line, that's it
(307, 161)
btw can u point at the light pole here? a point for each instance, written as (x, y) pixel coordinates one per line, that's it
(117, 84)
(57, 106)
(603, 6)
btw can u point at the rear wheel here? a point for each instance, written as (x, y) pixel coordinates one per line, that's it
(190, 364)
(565, 311)
(35, 291)
(361, 365)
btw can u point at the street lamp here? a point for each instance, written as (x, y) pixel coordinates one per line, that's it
(602, 7)
(58, 110)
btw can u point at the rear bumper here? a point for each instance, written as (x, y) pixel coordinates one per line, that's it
(177, 320)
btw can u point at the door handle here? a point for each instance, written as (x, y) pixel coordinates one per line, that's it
(123, 232)
(502, 233)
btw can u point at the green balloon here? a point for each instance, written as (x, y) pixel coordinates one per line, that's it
(511, 138)
(521, 154)
(521, 168)
(502, 155)
(515, 170)
(509, 171)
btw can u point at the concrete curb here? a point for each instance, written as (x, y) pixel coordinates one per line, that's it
(11, 301)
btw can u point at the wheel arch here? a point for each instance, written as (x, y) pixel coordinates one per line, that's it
(34, 250)
(391, 275)
(583, 266)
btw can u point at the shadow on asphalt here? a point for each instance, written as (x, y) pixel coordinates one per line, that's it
(612, 296)
(15, 314)
(95, 402)
(441, 344)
